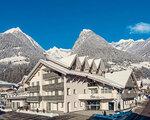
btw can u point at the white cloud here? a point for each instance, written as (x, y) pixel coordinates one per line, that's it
(139, 28)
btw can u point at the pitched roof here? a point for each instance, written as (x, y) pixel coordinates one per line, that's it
(68, 61)
(97, 78)
(82, 59)
(120, 77)
(90, 61)
(65, 71)
(97, 62)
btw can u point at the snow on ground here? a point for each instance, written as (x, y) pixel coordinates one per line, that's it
(40, 113)
(6, 110)
(14, 60)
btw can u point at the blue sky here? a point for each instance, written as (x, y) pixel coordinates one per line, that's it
(59, 22)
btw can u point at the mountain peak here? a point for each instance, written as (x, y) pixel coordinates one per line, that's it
(126, 40)
(86, 32)
(13, 30)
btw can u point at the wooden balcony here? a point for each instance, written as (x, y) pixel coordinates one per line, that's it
(53, 87)
(50, 76)
(53, 98)
(34, 98)
(96, 96)
(33, 89)
(130, 95)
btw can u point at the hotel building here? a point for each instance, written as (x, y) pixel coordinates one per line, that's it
(76, 83)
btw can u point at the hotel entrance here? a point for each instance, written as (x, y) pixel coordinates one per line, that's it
(92, 105)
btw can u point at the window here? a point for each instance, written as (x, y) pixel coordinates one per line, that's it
(75, 104)
(60, 80)
(68, 91)
(53, 93)
(60, 92)
(35, 104)
(31, 94)
(91, 84)
(106, 90)
(74, 91)
(53, 81)
(38, 73)
(84, 91)
(32, 83)
(80, 104)
(94, 91)
(102, 90)
(62, 105)
(31, 105)
(49, 93)
(37, 83)
(50, 81)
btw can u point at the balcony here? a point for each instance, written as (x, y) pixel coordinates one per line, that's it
(126, 95)
(33, 98)
(53, 87)
(53, 98)
(96, 96)
(33, 89)
(50, 76)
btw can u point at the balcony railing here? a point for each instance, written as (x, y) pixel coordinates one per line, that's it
(50, 76)
(33, 89)
(96, 96)
(51, 87)
(34, 98)
(55, 98)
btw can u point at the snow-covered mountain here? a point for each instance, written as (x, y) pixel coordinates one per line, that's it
(57, 53)
(137, 47)
(93, 45)
(18, 54)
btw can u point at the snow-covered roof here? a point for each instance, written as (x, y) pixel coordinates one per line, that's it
(58, 67)
(120, 77)
(68, 61)
(82, 59)
(90, 61)
(97, 62)
(115, 79)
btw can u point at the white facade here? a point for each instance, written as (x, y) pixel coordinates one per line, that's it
(79, 84)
